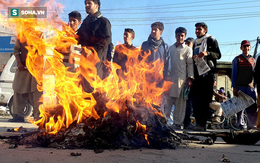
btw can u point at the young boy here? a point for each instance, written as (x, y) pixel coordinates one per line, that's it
(242, 79)
(181, 65)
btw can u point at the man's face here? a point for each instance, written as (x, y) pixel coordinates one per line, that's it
(190, 44)
(74, 23)
(156, 33)
(180, 37)
(128, 37)
(245, 49)
(200, 31)
(91, 7)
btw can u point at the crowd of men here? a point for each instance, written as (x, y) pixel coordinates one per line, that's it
(190, 90)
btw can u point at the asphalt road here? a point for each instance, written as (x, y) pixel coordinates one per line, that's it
(192, 152)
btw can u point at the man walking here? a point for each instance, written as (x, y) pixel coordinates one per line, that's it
(242, 80)
(95, 31)
(205, 47)
(181, 65)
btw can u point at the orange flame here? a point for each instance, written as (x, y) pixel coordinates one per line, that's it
(17, 129)
(64, 100)
(140, 126)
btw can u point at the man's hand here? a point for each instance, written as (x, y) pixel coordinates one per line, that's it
(202, 54)
(189, 82)
(235, 91)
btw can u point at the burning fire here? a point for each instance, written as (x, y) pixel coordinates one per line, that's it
(64, 100)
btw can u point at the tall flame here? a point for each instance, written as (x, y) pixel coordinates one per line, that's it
(64, 100)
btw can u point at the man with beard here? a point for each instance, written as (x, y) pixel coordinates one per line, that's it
(205, 47)
(95, 31)
(156, 48)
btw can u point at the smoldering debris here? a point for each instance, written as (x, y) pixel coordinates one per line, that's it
(111, 131)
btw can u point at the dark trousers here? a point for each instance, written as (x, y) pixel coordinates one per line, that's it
(201, 97)
(189, 108)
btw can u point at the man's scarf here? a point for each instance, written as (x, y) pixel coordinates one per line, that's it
(94, 17)
(155, 43)
(202, 42)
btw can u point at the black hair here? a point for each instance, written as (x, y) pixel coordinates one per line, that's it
(190, 39)
(96, 2)
(180, 30)
(75, 14)
(130, 31)
(159, 25)
(202, 24)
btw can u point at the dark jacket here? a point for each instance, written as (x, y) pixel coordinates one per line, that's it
(257, 74)
(95, 31)
(213, 55)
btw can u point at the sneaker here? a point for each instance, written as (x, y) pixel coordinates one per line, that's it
(16, 119)
(199, 128)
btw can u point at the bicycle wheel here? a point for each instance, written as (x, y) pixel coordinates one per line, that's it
(233, 122)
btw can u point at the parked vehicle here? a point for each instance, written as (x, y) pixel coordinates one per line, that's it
(6, 90)
(224, 122)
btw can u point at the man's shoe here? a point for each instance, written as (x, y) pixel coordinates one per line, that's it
(16, 119)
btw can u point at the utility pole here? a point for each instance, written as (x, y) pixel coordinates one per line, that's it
(256, 46)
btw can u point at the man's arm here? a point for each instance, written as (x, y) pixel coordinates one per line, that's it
(234, 76)
(213, 49)
(106, 33)
(17, 53)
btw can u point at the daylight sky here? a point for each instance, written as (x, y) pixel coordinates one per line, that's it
(229, 21)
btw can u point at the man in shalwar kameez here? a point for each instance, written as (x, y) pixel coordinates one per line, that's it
(181, 75)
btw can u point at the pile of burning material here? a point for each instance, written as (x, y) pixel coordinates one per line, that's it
(119, 111)
(131, 128)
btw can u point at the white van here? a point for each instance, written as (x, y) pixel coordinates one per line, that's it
(6, 89)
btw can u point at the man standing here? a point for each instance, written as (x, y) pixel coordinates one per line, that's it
(24, 85)
(187, 123)
(189, 42)
(121, 51)
(95, 31)
(74, 20)
(156, 47)
(205, 47)
(257, 82)
(181, 65)
(242, 79)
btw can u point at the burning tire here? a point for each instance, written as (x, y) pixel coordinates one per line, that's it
(28, 109)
